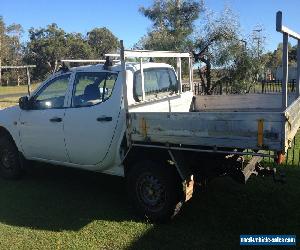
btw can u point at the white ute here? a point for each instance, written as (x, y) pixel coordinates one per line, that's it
(77, 118)
(132, 119)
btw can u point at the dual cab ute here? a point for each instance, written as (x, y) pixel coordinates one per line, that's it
(132, 119)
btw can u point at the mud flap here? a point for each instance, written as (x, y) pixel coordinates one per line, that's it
(186, 175)
(188, 188)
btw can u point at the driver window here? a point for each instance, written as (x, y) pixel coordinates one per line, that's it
(52, 95)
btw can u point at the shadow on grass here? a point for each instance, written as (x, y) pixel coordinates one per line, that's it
(56, 199)
(216, 218)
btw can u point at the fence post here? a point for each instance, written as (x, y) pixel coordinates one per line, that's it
(179, 73)
(28, 81)
(191, 76)
(298, 71)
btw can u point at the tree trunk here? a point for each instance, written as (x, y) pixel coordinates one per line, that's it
(208, 75)
(201, 79)
(18, 78)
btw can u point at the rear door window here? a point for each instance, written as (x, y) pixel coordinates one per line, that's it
(158, 82)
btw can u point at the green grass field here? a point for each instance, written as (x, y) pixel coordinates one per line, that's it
(22, 89)
(17, 91)
(60, 208)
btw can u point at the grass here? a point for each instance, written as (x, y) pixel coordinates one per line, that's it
(21, 90)
(60, 208)
(16, 91)
(8, 102)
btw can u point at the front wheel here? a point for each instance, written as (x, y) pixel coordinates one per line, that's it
(10, 161)
(156, 190)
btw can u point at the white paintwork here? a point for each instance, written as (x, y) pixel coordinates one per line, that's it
(247, 102)
(86, 61)
(18, 67)
(9, 119)
(151, 53)
(87, 139)
(41, 138)
(172, 103)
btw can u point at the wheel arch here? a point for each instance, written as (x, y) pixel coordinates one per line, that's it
(137, 154)
(5, 132)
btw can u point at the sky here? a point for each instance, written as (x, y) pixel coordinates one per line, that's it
(125, 21)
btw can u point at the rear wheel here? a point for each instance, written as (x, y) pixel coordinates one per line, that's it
(10, 161)
(156, 190)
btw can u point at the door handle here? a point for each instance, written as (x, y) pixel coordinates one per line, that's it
(104, 119)
(55, 119)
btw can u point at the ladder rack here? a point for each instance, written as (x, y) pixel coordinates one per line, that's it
(285, 64)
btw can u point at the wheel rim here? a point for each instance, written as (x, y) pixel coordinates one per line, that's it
(6, 159)
(151, 192)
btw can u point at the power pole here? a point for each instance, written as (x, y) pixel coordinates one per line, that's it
(258, 38)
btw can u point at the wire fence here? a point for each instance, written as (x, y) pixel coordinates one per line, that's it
(292, 157)
(270, 86)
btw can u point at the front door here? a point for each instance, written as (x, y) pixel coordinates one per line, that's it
(42, 127)
(91, 120)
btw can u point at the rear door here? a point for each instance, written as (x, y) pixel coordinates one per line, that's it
(91, 120)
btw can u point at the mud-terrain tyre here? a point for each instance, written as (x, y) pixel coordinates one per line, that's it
(10, 160)
(155, 190)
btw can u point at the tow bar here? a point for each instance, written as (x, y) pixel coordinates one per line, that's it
(278, 177)
(241, 172)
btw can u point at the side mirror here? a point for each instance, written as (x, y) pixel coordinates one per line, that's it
(24, 103)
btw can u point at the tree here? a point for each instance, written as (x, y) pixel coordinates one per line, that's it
(15, 54)
(2, 33)
(293, 55)
(218, 45)
(10, 49)
(102, 41)
(77, 47)
(45, 47)
(172, 24)
(49, 45)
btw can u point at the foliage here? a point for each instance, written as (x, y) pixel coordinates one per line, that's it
(48, 45)
(45, 47)
(77, 47)
(10, 51)
(172, 24)
(273, 59)
(219, 45)
(102, 41)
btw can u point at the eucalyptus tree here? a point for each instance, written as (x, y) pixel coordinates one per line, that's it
(10, 49)
(102, 41)
(173, 22)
